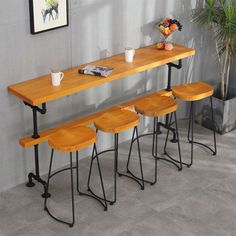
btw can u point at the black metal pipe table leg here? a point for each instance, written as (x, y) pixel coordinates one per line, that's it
(36, 176)
(168, 88)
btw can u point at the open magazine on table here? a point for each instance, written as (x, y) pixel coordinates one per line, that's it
(96, 70)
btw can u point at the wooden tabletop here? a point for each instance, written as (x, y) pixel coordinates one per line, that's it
(40, 90)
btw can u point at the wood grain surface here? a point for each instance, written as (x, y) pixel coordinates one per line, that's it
(40, 90)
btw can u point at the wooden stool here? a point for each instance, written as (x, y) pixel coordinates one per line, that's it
(72, 140)
(190, 93)
(115, 123)
(156, 106)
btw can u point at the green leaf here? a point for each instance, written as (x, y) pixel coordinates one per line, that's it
(207, 15)
(222, 15)
(222, 2)
(211, 3)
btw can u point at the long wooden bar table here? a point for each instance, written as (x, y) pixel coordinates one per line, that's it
(37, 92)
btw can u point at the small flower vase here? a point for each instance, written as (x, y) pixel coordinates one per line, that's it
(165, 44)
(167, 26)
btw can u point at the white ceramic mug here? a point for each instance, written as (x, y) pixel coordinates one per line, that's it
(57, 78)
(129, 54)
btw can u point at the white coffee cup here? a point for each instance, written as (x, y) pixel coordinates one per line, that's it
(129, 54)
(57, 78)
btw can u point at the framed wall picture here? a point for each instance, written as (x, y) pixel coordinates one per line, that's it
(47, 15)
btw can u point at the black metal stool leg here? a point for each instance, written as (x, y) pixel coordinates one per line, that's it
(49, 174)
(190, 120)
(167, 135)
(177, 134)
(72, 191)
(140, 159)
(154, 146)
(100, 174)
(129, 174)
(130, 150)
(96, 155)
(190, 132)
(101, 200)
(153, 137)
(116, 143)
(115, 167)
(175, 162)
(214, 127)
(77, 172)
(90, 169)
(171, 159)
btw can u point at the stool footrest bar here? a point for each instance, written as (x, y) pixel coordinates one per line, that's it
(146, 181)
(204, 145)
(171, 160)
(57, 219)
(133, 177)
(100, 198)
(94, 196)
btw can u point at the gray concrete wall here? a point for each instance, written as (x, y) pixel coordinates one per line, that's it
(98, 28)
(232, 83)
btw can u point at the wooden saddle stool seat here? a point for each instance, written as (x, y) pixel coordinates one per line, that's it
(155, 106)
(117, 121)
(193, 92)
(72, 139)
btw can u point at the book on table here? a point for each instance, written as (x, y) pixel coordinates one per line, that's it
(96, 70)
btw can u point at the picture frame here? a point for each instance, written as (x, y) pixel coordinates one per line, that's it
(46, 15)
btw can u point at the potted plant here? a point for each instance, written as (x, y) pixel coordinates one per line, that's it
(220, 17)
